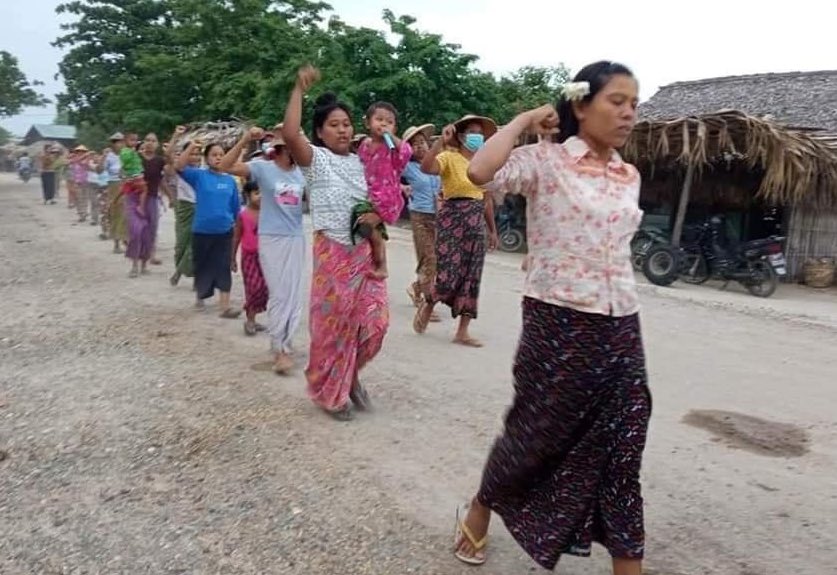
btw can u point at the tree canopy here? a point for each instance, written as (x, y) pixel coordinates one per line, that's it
(152, 64)
(16, 91)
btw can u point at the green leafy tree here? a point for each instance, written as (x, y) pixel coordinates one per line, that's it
(5, 136)
(16, 92)
(151, 64)
(532, 86)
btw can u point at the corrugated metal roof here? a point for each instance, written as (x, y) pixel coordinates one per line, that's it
(56, 131)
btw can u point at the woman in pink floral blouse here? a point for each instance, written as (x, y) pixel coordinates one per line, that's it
(565, 472)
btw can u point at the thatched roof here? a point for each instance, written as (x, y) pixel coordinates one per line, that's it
(796, 165)
(225, 133)
(799, 99)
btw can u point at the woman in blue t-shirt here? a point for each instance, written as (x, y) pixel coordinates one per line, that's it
(216, 208)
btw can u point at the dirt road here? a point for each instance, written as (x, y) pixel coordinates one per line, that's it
(139, 436)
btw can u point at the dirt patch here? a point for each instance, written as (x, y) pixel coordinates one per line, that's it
(750, 433)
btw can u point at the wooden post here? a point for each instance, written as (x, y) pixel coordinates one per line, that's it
(683, 206)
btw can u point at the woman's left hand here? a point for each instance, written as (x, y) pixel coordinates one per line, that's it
(493, 241)
(371, 219)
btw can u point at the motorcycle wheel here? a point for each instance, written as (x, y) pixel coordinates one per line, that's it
(511, 240)
(661, 265)
(764, 279)
(639, 247)
(695, 269)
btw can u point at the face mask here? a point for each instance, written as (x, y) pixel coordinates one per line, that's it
(474, 142)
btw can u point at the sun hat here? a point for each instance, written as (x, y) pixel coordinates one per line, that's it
(425, 129)
(489, 126)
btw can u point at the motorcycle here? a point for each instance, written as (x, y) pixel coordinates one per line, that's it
(24, 174)
(511, 227)
(757, 265)
(642, 242)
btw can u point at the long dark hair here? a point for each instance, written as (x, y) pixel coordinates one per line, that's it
(209, 148)
(597, 74)
(323, 107)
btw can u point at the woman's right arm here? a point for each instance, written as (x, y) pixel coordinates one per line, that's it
(491, 157)
(297, 144)
(183, 159)
(430, 165)
(231, 162)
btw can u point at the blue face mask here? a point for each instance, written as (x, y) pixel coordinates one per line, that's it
(474, 141)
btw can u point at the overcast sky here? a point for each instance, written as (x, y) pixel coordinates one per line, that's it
(663, 42)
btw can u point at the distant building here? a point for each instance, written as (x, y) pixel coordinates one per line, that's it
(64, 135)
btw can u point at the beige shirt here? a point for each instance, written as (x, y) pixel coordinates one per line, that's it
(581, 217)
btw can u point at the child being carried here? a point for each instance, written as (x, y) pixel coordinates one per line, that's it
(384, 158)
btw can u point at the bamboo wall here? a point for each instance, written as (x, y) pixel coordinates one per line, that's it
(812, 233)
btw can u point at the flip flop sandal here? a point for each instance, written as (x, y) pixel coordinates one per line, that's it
(249, 328)
(360, 398)
(260, 328)
(133, 274)
(230, 314)
(419, 324)
(464, 532)
(414, 297)
(344, 414)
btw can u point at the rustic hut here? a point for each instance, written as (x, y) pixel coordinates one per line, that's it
(770, 165)
(64, 135)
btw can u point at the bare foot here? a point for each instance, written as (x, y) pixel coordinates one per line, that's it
(467, 341)
(379, 273)
(284, 364)
(473, 531)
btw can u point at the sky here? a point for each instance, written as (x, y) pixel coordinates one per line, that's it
(662, 42)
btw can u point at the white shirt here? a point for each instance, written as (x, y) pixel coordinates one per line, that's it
(185, 192)
(336, 185)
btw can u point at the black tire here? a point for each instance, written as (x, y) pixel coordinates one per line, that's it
(765, 281)
(661, 265)
(695, 269)
(512, 240)
(640, 245)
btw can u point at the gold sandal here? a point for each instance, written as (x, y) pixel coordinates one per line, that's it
(419, 323)
(463, 531)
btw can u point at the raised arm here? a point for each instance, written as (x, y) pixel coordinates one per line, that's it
(298, 145)
(171, 153)
(491, 157)
(183, 159)
(429, 165)
(231, 162)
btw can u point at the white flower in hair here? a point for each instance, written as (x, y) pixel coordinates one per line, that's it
(575, 91)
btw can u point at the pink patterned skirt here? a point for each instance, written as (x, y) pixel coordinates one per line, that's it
(349, 317)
